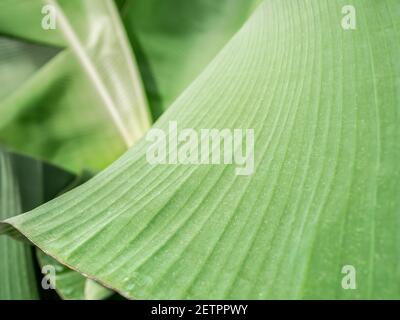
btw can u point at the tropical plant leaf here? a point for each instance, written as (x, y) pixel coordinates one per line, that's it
(324, 105)
(19, 61)
(17, 278)
(83, 107)
(22, 19)
(174, 40)
(71, 285)
(25, 184)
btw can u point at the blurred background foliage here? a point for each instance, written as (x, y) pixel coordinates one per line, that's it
(49, 107)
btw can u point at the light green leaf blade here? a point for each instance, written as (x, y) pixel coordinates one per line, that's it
(175, 40)
(324, 104)
(19, 61)
(83, 107)
(23, 19)
(25, 183)
(17, 277)
(69, 284)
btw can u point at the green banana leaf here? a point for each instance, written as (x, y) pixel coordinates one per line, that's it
(82, 103)
(17, 278)
(25, 184)
(174, 40)
(324, 105)
(71, 285)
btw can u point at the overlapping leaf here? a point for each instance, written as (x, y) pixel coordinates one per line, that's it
(17, 278)
(324, 104)
(81, 107)
(25, 184)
